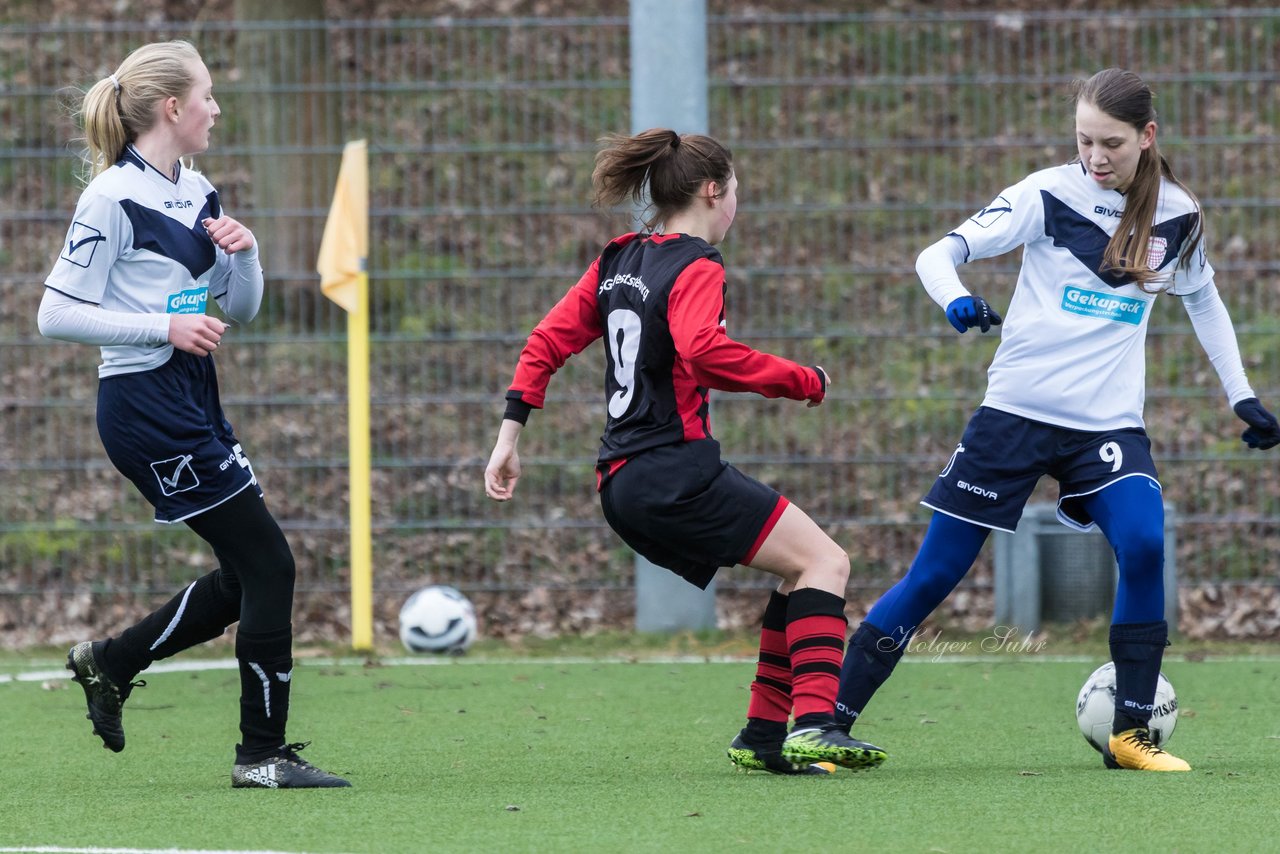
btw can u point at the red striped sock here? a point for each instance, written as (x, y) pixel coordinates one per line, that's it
(816, 628)
(771, 690)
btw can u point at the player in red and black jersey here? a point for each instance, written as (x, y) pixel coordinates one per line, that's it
(657, 298)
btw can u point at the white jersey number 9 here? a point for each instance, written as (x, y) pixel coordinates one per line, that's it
(624, 344)
(1111, 453)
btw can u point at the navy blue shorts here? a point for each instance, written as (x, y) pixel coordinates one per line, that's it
(683, 508)
(1001, 457)
(165, 431)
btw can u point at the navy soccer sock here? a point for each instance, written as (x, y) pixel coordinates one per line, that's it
(868, 662)
(1137, 650)
(950, 546)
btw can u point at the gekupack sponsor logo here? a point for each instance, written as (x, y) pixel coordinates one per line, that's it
(191, 301)
(1105, 306)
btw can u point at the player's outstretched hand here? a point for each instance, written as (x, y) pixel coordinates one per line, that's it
(228, 234)
(503, 471)
(968, 312)
(1264, 431)
(197, 334)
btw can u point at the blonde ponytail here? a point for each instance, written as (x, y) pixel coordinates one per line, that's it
(104, 132)
(125, 104)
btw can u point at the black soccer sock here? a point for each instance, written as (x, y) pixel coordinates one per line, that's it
(198, 614)
(1137, 650)
(868, 662)
(266, 670)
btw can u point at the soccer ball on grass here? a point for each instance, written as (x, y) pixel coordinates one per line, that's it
(1096, 708)
(437, 619)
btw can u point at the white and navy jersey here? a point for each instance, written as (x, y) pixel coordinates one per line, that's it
(1071, 348)
(136, 244)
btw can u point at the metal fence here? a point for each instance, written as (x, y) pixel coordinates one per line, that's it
(858, 139)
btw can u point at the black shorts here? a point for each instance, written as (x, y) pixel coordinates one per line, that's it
(1001, 457)
(683, 508)
(165, 431)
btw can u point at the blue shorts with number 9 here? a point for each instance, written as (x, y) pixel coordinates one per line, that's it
(1002, 457)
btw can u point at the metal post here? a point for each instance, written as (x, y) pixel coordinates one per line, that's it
(669, 89)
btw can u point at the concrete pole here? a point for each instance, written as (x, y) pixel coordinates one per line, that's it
(669, 89)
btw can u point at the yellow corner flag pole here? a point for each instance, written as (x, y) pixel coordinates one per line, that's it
(344, 278)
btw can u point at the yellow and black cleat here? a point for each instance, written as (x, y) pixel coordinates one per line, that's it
(1134, 750)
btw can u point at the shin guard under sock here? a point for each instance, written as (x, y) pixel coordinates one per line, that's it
(1137, 650)
(816, 628)
(771, 689)
(266, 670)
(868, 662)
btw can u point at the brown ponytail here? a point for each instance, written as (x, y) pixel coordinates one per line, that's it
(1124, 96)
(659, 166)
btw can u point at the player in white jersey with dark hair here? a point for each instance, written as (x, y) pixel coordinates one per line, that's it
(1102, 237)
(147, 248)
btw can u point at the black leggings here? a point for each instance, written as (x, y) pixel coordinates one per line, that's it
(256, 570)
(253, 584)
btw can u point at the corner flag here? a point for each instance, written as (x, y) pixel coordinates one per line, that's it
(344, 278)
(344, 249)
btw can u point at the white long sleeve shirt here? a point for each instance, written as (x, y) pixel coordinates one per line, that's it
(1072, 343)
(137, 252)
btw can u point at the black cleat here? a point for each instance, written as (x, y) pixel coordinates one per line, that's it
(830, 743)
(750, 756)
(104, 697)
(285, 770)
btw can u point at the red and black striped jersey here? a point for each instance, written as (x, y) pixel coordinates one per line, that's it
(658, 301)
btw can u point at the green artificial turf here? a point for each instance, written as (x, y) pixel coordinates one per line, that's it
(601, 756)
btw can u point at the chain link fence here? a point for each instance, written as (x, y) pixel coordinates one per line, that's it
(858, 139)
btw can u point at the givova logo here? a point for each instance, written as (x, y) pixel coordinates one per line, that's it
(1104, 306)
(191, 301)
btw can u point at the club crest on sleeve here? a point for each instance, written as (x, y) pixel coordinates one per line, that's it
(992, 213)
(1156, 251)
(175, 474)
(82, 242)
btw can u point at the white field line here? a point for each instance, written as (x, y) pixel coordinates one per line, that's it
(55, 849)
(922, 656)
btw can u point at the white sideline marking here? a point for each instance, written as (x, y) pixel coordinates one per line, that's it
(461, 661)
(55, 849)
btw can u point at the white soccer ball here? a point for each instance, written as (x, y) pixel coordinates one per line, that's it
(437, 619)
(1096, 708)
